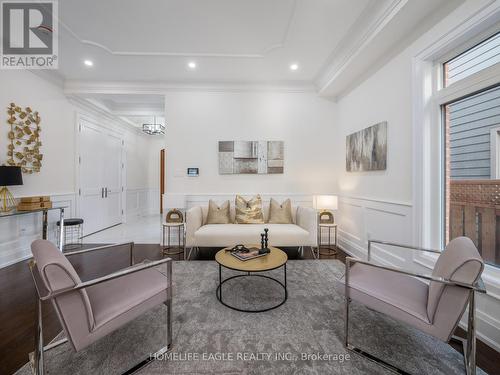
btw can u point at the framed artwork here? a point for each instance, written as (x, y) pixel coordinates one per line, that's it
(24, 139)
(366, 150)
(251, 157)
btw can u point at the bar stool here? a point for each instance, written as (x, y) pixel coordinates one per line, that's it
(73, 233)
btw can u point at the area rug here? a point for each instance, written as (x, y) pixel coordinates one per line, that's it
(303, 336)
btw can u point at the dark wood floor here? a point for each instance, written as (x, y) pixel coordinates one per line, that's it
(17, 302)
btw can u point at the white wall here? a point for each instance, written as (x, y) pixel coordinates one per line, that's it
(143, 153)
(196, 121)
(57, 136)
(57, 177)
(385, 96)
(380, 204)
(143, 174)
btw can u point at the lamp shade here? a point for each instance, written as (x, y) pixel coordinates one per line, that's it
(325, 202)
(10, 176)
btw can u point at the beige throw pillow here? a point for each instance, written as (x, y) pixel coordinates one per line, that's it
(249, 211)
(280, 213)
(218, 215)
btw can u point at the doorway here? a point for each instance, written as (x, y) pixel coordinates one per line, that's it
(100, 176)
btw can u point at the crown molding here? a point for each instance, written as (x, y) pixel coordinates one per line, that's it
(51, 76)
(369, 24)
(100, 111)
(138, 112)
(251, 55)
(72, 87)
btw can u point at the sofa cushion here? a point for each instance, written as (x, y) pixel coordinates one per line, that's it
(222, 235)
(218, 214)
(232, 212)
(280, 213)
(249, 211)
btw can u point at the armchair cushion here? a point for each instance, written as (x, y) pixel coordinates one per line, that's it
(117, 296)
(401, 292)
(460, 261)
(57, 274)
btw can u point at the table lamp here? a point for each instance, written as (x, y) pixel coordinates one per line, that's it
(325, 203)
(175, 203)
(9, 176)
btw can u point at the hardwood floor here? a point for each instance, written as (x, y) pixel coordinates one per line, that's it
(17, 302)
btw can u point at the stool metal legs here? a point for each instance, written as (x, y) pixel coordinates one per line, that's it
(166, 238)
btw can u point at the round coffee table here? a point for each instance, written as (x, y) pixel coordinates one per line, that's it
(275, 259)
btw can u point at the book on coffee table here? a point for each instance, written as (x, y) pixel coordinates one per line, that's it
(252, 254)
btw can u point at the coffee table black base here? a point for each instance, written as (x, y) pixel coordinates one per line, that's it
(251, 274)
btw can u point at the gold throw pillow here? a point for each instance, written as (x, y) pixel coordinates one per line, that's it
(218, 215)
(249, 211)
(280, 213)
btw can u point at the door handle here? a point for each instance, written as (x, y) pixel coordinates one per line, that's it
(102, 192)
(106, 191)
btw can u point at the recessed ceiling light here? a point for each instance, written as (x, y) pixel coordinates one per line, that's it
(294, 66)
(191, 65)
(88, 62)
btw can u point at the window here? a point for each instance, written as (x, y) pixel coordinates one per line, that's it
(477, 58)
(472, 138)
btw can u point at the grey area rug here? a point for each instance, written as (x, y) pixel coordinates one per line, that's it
(303, 336)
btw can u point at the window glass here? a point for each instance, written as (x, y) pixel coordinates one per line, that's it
(479, 57)
(472, 128)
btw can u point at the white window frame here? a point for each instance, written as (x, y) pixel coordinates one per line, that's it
(495, 153)
(429, 94)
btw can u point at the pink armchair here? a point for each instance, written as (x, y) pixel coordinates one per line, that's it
(434, 307)
(91, 310)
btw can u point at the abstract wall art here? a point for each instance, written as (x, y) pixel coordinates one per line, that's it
(251, 157)
(366, 150)
(24, 136)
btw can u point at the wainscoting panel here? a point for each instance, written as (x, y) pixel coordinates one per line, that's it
(17, 232)
(140, 202)
(361, 219)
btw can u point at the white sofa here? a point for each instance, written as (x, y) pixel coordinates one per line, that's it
(302, 233)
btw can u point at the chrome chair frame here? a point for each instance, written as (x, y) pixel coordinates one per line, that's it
(469, 344)
(40, 349)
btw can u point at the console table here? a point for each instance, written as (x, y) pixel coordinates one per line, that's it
(45, 223)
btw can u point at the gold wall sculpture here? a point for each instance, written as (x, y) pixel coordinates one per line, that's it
(24, 136)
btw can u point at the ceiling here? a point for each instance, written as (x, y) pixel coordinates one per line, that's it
(233, 41)
(133, 109)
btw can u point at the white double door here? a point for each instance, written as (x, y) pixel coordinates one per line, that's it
(100, 177)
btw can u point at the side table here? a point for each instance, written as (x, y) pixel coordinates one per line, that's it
(168, 249)
(331, 250)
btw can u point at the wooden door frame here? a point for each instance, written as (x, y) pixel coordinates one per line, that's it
(162, 178)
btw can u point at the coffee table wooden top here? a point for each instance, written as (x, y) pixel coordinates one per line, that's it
(276, 258)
